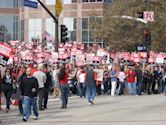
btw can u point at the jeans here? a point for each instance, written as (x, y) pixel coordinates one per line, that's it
(46, 91)
(64, 94)
(28, 102)
(106, 86)
(8, 95)
(81, 89)
(121, 87)
(41, 98)
(132, 88)
(139, 88)
(20, 101)
(91, 92)
(113, 88)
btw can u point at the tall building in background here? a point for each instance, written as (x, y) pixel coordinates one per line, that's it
(25, 24)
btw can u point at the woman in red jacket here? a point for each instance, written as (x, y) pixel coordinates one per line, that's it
(63, 78)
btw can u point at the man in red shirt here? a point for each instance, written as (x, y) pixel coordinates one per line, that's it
(131, 80)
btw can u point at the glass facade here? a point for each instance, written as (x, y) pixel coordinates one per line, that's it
(10, 28)
(92, 0)
(87, 31)
(50, 26)
(71, 24)
(69, 1)
(50, 2)
(10, 3)
(35, 29)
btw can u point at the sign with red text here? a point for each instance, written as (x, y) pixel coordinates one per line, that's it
(149, 16)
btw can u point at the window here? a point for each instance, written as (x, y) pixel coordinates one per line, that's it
(87, 31)
(71, 24)
(50, 26)
(69, 1)
(35, 28)
(84, 0)
(92, 0)
(84, 23)
(50, 2)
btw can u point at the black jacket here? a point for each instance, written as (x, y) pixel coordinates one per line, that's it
(27, 85)
(7, 84)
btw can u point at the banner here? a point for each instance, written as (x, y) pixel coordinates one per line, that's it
(99, 74)
(89, 58)
(5, 50)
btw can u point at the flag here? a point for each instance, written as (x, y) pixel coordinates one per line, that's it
(47, 36)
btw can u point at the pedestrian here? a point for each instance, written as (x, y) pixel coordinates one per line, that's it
(55, 81)
(20, 81)
(1, 90)
(121, 77)
(41, 78)
(90, 84)
(164, 80)
(7, 88)
(131, 80)
(139, 83)
(29, 91)
(47, 71)
(81, 84)
(63, 78)
(114, 80)
(106, 80)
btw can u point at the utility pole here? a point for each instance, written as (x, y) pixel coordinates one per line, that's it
(56, 24)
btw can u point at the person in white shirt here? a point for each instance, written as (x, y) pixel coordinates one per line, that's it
(121, 77)
(81, 84)
(41, 78)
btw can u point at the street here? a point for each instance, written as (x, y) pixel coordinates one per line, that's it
(120, 110)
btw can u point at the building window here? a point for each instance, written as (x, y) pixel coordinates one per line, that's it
(87, 31)
(71, 24)
(50, 26)
(92, 0)
(69, 1)
(84, 0)
(35, 29)
(50, 2)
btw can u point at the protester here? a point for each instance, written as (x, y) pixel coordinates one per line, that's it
(47, 71)
(20, 81)
(8, 88)
(29, 91)
(139, 83)
(41, 78)
(81, 84)
(121, 77)
(106, 78)
(90, 84)
(63, 78)
(55, 81)
(114, 80)
(131, 80)
(1, 90)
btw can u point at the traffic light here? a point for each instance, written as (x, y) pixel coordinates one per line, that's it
(64, 33)
(147, 37)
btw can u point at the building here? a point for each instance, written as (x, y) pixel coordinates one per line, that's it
(25, 24)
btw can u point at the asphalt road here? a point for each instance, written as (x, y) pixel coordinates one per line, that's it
(120, 110)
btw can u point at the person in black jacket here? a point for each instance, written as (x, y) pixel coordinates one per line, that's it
(7, 88)
(29, 91)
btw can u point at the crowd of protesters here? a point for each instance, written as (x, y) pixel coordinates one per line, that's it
(30, 85)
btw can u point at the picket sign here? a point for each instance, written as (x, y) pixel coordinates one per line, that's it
(89, 58)
(80, 63)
